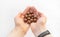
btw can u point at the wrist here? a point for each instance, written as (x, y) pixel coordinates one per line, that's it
(41, 30)
(20, 30)
(16, 32)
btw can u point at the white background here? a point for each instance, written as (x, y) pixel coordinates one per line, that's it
(10, 8)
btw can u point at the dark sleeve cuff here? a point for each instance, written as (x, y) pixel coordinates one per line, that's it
(44, 33)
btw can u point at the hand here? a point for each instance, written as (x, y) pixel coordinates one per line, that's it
(39, 26)
(21, 27)
(20, 23)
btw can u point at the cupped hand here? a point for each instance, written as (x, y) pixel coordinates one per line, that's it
(39, 26)
(20, 23)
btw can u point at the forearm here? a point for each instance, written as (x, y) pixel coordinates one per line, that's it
(17, 32)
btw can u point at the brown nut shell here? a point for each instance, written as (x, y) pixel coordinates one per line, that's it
(35, 20)
(28, 22)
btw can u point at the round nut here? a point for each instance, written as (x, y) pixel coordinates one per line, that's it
(28, 22)
(31, 20)
(28, 18)
(29, 15)
(35, 20)
(32, 17)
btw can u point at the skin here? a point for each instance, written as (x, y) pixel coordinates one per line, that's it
(21, 27)
(40, 26)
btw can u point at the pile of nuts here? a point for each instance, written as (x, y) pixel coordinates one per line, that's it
(30, 17)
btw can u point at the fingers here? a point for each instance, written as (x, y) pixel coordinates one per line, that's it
(26, 10)
(19, 15)
(29, 9)
(42, 19)
(20, 23)
(34, 10)
(41, 14)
